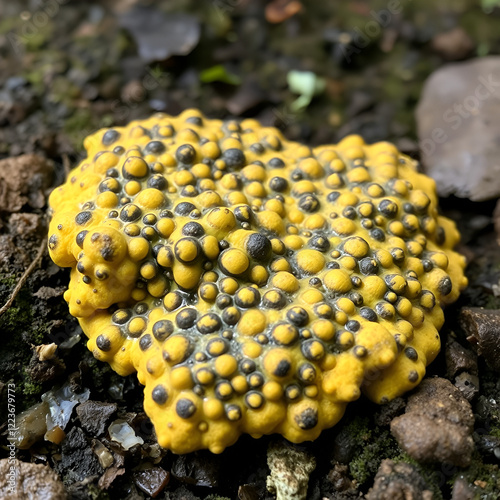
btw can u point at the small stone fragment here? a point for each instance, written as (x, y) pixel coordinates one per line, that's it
(102, 453)
(78, 460)
(94, 416)
(488, 445)
(247, 492)
(398, 481)
(23, 180)
(453, 45)
(151, 480)
(159, 36)
(459, 359)
(195, 468)
(389, 411)
(121, 432)
(61, 403)
(458, 128)
(22, 480)
(482, 327)
(290, 470)
(468, 385)
(32, 425)
(437, 425)
(339, 477)
(278, 11)
(461, 490)
(110, 474)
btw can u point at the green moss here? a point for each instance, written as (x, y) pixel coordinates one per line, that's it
(31, 388)
(77, 126)
(372, 446)
(433, 477)
(483, 478)
(95, 493)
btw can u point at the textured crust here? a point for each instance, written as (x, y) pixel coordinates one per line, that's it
(256, 285)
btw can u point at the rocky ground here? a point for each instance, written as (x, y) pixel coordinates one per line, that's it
(318, 73)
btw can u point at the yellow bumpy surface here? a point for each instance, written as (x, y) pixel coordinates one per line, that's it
(255, 284)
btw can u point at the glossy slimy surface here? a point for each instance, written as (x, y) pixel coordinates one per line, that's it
(255, 284)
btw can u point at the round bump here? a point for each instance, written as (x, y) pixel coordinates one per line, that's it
(319, 243)
(255, 380)
(234, 158)
(83, 217)
(285, 334)
(293, 392)
(254, 400)
(337, 281)
(217, 347)
(427, 300)
(103, 343)
(163, 329)
(307, 373)
(204, 376)
(285, 281)
(309, 203)
(136, 327)
(130, 213)
(411, 354)
(172, 301)
(368, 313)
(307, 419)
(186, 318)
(159, 394)
(193, 229)
(209, 323)
(445, 286)
(223, 391)
(184, 208)
(247, 297)
(274, 299)
(298, 316)
(312, 350)
(185, 154)
(145, 342)
(233, 412)
(278, 184)
(134, 167)
(110, 136)
(185, 408)
(259, 247)
(233, 261)
(310, 261)
(186, 250)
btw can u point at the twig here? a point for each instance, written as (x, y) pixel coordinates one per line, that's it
(66, 164)
(24, 277)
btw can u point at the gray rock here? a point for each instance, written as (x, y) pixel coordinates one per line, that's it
(160, 36)
(290, 470)
(482, 327)
(437, 425)
(94, 416)
(398, 481)
(26, 481)
(458, 119)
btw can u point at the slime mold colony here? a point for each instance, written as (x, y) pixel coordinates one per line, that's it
(256, 285)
